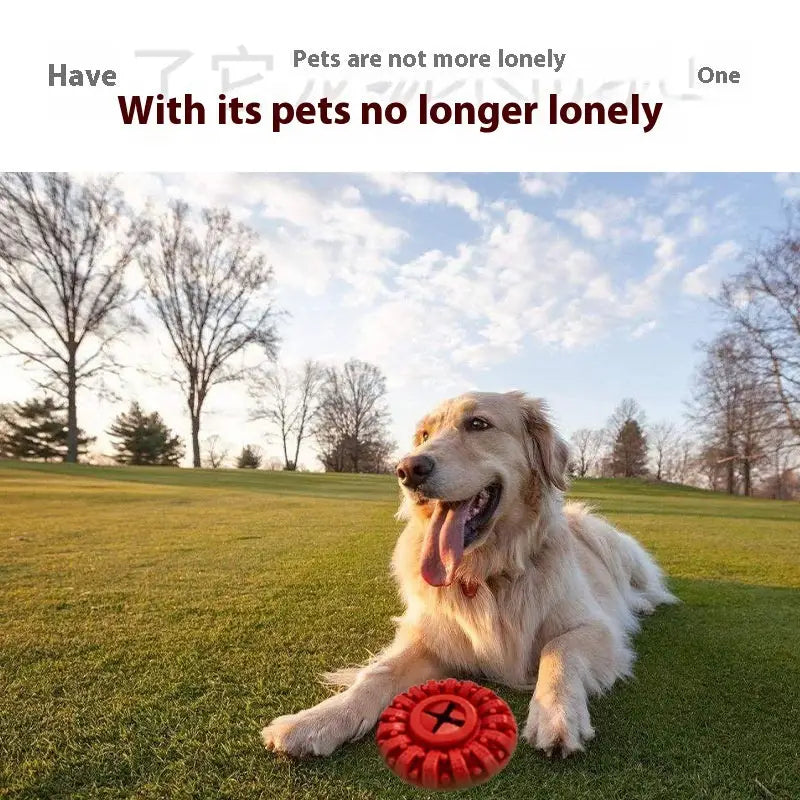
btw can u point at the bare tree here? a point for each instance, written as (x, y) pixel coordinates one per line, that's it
(783, 465)
(65, 247)
(783, 486)
(289, 400)
(351, 425)
(757, 420)
(731, 407)
(763, 304)
(681, 465)
(714, 408)
(209, 287)
(580, 445)
(272, 391)
(216, 452)
(712, 466)
(662, 438)
(586, 444)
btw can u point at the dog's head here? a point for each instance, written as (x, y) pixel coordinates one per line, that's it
(478, 460)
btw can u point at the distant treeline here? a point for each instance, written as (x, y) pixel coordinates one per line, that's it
(69, 254)
(741, 432)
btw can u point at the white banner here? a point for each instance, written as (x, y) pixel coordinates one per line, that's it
(314, 87)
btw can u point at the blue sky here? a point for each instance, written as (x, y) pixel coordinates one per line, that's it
(580, 288)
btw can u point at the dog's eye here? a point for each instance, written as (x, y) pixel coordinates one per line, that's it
(477, 424)
(424, 436)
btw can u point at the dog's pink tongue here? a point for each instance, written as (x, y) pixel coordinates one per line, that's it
(444, 543)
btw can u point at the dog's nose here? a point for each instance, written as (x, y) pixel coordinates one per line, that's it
(414, 470)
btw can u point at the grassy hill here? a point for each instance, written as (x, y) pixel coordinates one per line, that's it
(152, 620)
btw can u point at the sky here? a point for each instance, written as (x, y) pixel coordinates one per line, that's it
(579, 288)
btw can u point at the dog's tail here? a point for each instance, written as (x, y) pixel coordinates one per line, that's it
(646, 576)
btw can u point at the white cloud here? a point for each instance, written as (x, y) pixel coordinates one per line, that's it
(670, 181)
(544, 184)
(351, 194)
(704, 280)
(599, 288)
(698, 224)
(651, 227)
(604, 217)
(642, 296)
(725, 251)
(699, 281)
(727, 206)
(642, 330)
(521, 280)
(789, 183)
(684, 203)
(588, 222)
(422, 188)
(692, 208)
(309, 238)
(477, 305)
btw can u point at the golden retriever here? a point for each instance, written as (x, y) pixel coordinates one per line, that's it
(501, 580)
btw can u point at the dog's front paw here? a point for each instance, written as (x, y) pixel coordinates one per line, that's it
(316, 731)
(294, 735)
(558, 728)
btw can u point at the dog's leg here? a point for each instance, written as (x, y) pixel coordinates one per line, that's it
(584, 661)
(350, 714)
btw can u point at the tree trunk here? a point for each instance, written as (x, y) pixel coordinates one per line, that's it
(746, 475)
(298, 442)
(195, 400)
(72, 409)
(195, 439)
(730, 469)
(284, 438)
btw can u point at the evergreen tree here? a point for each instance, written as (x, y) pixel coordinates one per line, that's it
(145, 439)
(37, 430)
(629, 456)
(249, 458)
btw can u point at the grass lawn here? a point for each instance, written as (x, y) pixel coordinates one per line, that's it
(152, 620)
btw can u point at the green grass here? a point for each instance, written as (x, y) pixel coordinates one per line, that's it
(152, 620)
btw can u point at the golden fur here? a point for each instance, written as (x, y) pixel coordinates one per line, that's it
(546, 598)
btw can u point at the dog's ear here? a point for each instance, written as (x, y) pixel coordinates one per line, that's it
(549, 452)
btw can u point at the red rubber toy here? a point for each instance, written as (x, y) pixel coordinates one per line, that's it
(447, 734)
